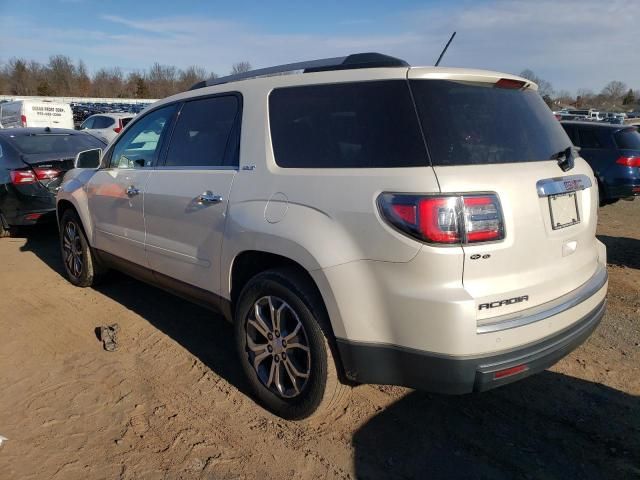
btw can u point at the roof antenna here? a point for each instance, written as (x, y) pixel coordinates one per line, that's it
(445, 49)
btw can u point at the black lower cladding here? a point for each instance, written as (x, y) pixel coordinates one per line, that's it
(393, 365)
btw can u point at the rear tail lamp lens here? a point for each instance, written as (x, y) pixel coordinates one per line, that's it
(483, 219)
(629, 161)
(118, 129)
(447, 219)
(46, 173)
(23, 119)
(23, 177)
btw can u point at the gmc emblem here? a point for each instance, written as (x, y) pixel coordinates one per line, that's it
(502, 303)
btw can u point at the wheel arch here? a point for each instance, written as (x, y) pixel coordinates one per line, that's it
(249, 263)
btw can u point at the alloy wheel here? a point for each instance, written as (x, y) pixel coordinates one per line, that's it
(278, 347)
(72, 249)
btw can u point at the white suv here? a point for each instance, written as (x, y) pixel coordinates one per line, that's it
(106, 126)
(363, 221)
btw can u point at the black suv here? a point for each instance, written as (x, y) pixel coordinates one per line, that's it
(613, 151)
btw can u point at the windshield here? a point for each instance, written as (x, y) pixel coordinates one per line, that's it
(473, 123)
(628, 139)
(55, 143)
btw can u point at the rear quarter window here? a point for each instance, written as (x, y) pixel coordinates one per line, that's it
(628, 139)
(349, 125)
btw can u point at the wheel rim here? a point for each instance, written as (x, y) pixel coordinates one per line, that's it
(72, 249)
(278, 347)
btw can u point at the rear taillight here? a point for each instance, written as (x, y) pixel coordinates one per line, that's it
(629, 161)
(28, 177)
(118, 129)
(23, 119)
(46, 173)
(23, 177)
(450, 219)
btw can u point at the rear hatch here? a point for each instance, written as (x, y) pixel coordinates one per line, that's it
(487, 134)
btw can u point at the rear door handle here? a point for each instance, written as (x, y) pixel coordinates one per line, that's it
(209, 197)
(132, 191)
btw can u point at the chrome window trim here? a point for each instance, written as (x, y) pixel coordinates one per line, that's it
(548, 309)
(559, 185)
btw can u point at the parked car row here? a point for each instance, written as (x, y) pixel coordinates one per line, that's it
(616, 118)
(82, 111)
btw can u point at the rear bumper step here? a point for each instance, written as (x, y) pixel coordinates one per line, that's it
(394, 365)
(549, 309)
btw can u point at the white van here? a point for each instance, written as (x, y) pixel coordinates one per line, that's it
(36, 113)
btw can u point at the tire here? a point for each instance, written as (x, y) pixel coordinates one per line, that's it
(303, 323)
(80, 264)
(4, 228)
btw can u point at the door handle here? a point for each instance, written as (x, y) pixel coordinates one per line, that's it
(209, 197)
(132, 191)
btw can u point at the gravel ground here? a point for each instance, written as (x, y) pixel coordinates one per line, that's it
(172, 402)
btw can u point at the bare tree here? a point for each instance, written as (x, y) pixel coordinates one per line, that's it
(61, 75)
(544, 88)
(240, 67)
(108, 82)
(614, 91)
(190, 76)
(162, 80)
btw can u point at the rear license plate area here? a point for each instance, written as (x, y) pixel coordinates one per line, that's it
(563, 209)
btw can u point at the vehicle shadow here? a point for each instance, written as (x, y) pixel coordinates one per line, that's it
(42, 241)
(547, 426)
(622, 251)
(203, 333)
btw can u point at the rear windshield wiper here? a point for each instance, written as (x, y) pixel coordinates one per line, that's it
(565, 158)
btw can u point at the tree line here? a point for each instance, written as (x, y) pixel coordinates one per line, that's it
(61, 77)
(614, 96)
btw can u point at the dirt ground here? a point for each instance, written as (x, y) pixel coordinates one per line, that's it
(172, 402)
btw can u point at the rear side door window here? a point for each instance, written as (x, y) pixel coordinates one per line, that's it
(589, 138)
(140, 145)
(349, 125)
(205, 134)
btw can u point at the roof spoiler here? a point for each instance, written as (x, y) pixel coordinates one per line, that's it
(353, 61)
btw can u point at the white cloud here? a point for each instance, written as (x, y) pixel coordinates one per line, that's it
(572, 43)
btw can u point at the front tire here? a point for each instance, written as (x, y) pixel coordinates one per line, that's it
(282, 338)
(77, 256)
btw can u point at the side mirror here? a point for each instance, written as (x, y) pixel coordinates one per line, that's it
(88, 159)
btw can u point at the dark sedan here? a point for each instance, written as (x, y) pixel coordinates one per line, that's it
(33, 162)
(613, 151)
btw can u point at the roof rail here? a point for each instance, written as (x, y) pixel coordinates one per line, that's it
(353, 61)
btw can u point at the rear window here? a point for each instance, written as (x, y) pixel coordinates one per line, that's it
(349, 125)
(125, 121)
(55, 143)
(628, 139)
(474, 124)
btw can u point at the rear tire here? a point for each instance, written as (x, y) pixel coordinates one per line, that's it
(4, 228)
(294, 380)
(79, 261)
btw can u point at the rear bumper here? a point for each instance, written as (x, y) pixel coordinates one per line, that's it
(394, 365)
(623, 188)
(32, 217)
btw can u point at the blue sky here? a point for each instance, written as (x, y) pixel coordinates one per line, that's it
(572, 43)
